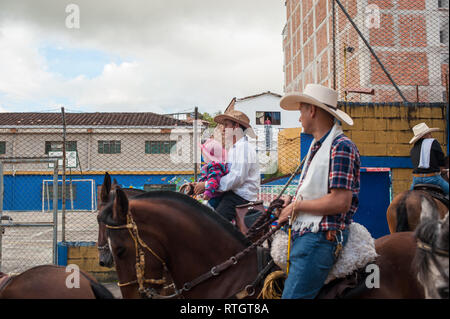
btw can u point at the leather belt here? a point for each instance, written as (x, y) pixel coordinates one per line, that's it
(427, 175)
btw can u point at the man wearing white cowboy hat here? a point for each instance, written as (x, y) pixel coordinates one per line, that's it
(241, 184)
(327, 197)
(427, 158)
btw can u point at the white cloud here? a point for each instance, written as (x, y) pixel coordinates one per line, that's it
(177, 54)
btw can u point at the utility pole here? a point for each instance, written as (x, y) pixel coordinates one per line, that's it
(63, 188)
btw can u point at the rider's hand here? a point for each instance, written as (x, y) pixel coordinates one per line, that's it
(285, 213)
(199, 188)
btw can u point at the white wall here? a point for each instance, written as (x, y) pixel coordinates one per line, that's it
(267, 103)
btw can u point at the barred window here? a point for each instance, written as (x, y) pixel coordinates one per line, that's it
(2, 147)
(158, 147)
(109, 147)
(52, 146)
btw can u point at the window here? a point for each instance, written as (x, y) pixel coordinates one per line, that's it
(2, 147)
(109, 147)
(160, 187)
(52, 146)
(158, 147)
(272, 118)
(443, 4)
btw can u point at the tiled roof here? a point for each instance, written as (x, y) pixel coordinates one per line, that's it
(89, 119)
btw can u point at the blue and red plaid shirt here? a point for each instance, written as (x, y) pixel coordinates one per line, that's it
(344, 174)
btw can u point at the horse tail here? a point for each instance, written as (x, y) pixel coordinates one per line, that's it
(100, 291)
(402, 215)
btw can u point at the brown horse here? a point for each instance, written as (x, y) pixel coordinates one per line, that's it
(50, 282)
(171, 230)
(403, 214)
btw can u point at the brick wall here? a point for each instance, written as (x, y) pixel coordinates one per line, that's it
(407, 43)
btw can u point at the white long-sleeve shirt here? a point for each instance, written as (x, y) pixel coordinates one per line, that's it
(244, 176)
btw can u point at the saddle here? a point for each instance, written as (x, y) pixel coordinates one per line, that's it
(247, 214)
(435, 191)
(343, 288)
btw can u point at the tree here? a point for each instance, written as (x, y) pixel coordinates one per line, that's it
(210, 118)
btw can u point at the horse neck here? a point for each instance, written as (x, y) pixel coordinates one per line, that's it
(191, 245)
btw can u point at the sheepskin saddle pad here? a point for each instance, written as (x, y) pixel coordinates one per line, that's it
(357, 252)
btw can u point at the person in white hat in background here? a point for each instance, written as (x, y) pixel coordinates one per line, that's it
(241, 185)
(427, 158)
(327, 197)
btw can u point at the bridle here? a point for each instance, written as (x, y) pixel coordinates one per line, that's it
(151, 293)
(139, 245)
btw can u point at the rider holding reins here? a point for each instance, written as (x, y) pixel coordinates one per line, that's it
(327, 197)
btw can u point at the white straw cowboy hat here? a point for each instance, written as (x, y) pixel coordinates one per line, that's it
(317, 95)
(420, 130)
(238, 117)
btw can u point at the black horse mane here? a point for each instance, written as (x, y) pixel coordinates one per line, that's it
(196, 208)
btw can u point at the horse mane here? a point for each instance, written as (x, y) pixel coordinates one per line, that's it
(196, 208)
(427, 232)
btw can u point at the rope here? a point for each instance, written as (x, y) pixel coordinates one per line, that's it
(272, 288)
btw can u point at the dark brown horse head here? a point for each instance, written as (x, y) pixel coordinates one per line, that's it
(106, 193)
(104, 254)
(177, 234)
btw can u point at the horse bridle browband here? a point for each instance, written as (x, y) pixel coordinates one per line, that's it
(215, 271)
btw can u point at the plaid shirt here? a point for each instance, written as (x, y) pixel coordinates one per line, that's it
(344, 174)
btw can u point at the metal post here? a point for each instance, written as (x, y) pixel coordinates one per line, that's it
(63, 187)
(1, 211)
(195, 137)
(371, 51)
(447, 129)
(334, 43)
(55, 213)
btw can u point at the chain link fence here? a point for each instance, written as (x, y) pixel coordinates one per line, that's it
(369, 50)
(159, 155)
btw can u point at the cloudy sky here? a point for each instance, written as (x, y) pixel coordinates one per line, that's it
(138, 55)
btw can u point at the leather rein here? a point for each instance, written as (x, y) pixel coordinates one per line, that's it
(146, 292)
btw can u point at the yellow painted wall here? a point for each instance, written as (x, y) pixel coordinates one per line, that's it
(385, 130)
(86, 257)
(288, 150)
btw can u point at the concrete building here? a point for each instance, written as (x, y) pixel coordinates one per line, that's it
(410, 38)
(135, 148)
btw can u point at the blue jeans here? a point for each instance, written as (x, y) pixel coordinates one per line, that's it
(436, 180)
(312, 257)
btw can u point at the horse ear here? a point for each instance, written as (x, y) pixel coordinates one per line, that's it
(106, 188)
(120, 207)
(115, 182)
